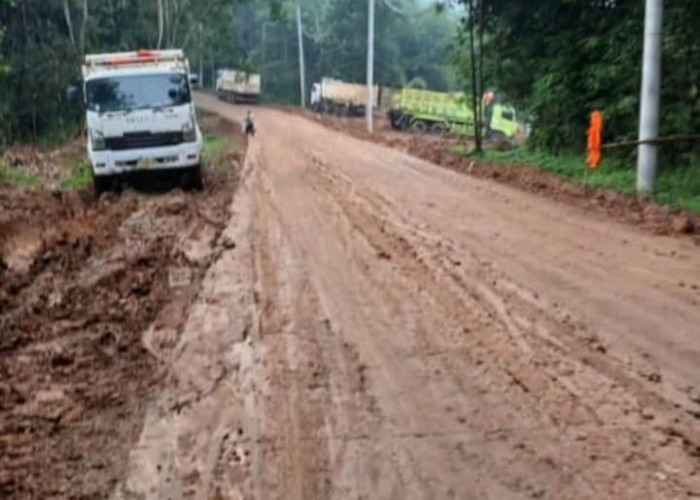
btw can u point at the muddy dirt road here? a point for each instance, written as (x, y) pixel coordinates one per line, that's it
(381, 328)
(81, 281)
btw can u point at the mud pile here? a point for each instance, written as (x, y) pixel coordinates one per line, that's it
(81, 280)
(607, 202)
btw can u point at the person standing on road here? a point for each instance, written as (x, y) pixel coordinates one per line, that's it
(249, 124)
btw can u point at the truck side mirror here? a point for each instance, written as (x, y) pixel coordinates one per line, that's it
(73, 93)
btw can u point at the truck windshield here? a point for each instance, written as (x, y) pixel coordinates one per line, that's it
(126, 93)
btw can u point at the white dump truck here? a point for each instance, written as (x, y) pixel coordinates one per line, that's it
(238, 86)
(140, 115)
(341, 98)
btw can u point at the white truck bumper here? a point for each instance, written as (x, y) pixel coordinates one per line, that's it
(184, 155)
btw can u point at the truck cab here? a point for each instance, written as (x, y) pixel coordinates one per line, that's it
(140, 115)
(503, 122)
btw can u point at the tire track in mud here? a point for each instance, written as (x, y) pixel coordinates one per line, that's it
(325, 371)
(577, 383)
(458, 381)
(252, 412)
(406, 462)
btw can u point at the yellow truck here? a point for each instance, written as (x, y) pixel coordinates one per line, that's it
(427, 111)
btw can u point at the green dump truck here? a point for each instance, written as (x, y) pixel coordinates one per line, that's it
(427, 111)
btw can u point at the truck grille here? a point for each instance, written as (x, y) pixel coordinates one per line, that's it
(137, 140)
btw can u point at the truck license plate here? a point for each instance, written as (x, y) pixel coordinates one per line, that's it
(144, 163)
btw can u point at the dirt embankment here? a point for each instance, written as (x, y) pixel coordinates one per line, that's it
(645, 213)
(81, 280)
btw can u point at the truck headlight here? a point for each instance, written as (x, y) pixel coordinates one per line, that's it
(97, 139)
(189, 131)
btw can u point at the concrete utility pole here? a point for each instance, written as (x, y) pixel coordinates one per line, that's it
(302, 78)
(201, 57)
(370, 67)
(651, 88)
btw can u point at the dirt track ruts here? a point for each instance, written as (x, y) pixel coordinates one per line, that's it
(382, 328)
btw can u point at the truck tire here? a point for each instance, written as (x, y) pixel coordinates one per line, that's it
(420, 127)
(192, 179)
(497, 136)
(500, 141)
(438, 128)
(393, 117)
(403, 122)
(101, 184)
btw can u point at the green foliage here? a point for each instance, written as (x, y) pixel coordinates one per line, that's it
(215, 147)
(81, 175)
(17, 176)
(414, 43)
(561, 59)
(680, 187)
(42, 43)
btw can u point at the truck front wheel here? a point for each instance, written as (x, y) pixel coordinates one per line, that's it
(497, 136)
(101, 184)
(420, 127)
(192, 179)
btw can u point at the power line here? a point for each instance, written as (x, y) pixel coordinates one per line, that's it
(394, 8)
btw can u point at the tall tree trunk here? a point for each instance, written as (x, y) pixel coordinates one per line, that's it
(113, 19)
(180, 7)
(166, 19)
(481, 65)
(83, 29)
(477, 131)
(69, 22)
(160, 23)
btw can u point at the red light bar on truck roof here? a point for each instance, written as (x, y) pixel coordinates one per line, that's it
(136, 58)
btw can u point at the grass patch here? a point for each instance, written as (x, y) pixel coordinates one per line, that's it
(17, 176)
(680, 187)
(677, 187)
(215, 148)
(81, 175)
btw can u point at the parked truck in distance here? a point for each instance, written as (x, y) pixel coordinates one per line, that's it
(140, 115)
(238, 86)
(427, 111)
(340, 98)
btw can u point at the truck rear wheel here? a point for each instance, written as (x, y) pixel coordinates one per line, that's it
(438, 128)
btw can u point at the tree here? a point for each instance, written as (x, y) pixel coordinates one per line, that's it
(45, 41)
(560, 59)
